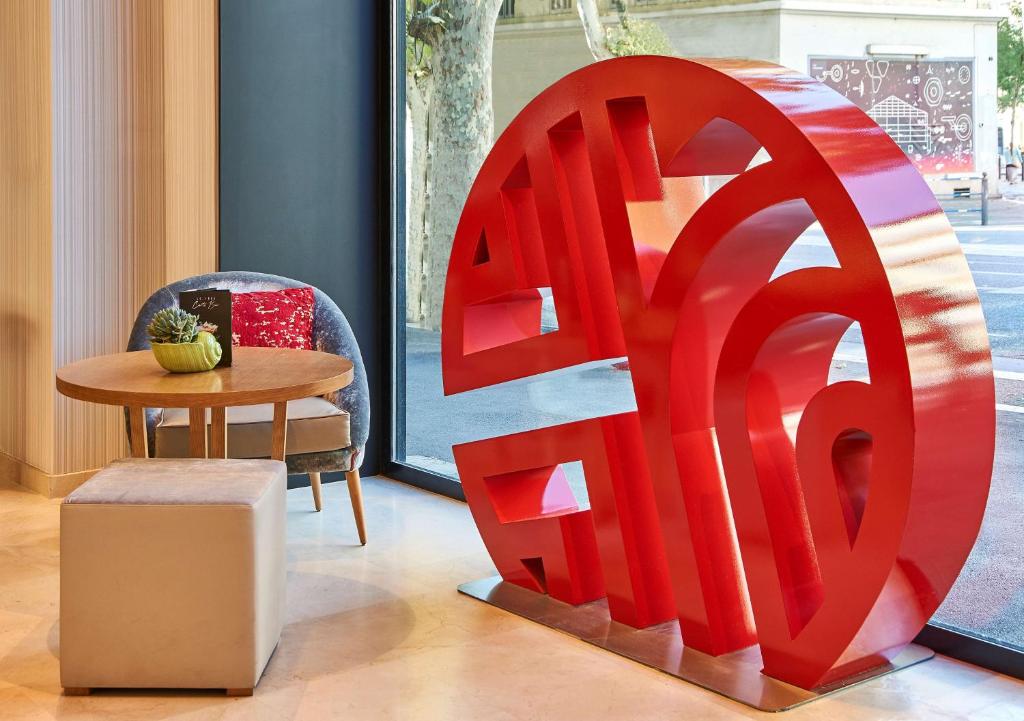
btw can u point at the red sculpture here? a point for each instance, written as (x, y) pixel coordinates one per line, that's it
(746, 495)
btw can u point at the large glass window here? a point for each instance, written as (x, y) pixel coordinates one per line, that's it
(937, 75)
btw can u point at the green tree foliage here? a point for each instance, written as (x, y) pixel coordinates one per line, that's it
(1010, 67)
(1011, 58)
(424, 22)
(636, 37)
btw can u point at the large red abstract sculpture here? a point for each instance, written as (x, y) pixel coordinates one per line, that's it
(746, 496)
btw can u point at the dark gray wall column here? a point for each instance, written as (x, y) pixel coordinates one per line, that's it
(300, 166)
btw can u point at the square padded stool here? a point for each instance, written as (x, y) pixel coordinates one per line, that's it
(172, 575)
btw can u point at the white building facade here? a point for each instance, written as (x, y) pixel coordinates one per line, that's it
(926, 70)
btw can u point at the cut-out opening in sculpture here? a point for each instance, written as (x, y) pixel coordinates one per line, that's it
(505, 319)
(482, 253)
(849, 361)
(576, 478)
(811, 250)
(851, 463)
(714, 183)
(548, 311)
(531, 494)
(535, 567)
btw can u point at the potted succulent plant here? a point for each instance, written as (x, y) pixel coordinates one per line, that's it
(181, 344)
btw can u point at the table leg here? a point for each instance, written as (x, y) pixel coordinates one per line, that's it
(197, 432)
(139, 438)
(219, 433)
(280, 430)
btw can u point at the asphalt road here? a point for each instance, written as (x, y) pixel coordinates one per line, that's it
(988, 600)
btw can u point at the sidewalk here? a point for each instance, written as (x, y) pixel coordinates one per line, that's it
(1006, 210)
(1012, 191)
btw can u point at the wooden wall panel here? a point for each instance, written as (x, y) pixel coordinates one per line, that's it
(110, 186)
(174, 124)
(93, 254)
(190, 136)
(145, 91)
(26, 359)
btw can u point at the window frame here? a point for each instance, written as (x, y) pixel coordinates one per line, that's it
(393, 164)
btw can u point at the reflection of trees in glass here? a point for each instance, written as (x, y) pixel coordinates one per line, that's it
(422, 28)
(449, 90)
(628, 37)
(593, 29)
(451, 122)
(1011, 65)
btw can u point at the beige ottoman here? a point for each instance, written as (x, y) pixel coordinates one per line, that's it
(172, 575)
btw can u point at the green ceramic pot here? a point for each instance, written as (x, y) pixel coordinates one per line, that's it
(201, 355)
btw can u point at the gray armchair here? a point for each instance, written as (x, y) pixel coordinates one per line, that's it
(331, 436)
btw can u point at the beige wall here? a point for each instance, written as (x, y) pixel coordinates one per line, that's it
(26, 341)
(527, 60)
(109, 180)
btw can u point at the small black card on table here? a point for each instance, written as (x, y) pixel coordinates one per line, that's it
(212, 306)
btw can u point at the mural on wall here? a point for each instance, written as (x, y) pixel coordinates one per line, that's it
(926, 106)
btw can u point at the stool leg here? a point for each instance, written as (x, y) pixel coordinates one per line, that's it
(355, 492)
(314, 483)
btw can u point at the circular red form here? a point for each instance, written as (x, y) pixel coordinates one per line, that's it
(747, 495)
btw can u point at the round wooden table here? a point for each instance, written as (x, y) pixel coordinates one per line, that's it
(257, 375)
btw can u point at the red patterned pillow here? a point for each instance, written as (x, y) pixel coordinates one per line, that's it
(273, 318)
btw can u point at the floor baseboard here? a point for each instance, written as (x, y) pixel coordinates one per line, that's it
(45, 484)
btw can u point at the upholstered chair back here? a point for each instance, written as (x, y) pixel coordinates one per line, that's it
(331, 334)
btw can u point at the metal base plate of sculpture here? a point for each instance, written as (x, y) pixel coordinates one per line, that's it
(770, 513)
(735, 675)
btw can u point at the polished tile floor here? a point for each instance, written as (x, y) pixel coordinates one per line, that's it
(380, 633)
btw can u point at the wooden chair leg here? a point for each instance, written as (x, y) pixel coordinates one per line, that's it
(137, 423)
(314, 483)
(355, 492)
(197, 432)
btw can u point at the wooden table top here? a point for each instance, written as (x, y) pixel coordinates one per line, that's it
(257, 375)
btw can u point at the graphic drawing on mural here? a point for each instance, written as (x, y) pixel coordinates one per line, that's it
(926, 106)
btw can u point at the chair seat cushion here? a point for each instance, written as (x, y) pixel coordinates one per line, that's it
(314, 425)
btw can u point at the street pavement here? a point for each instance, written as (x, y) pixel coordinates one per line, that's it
(989, 598)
